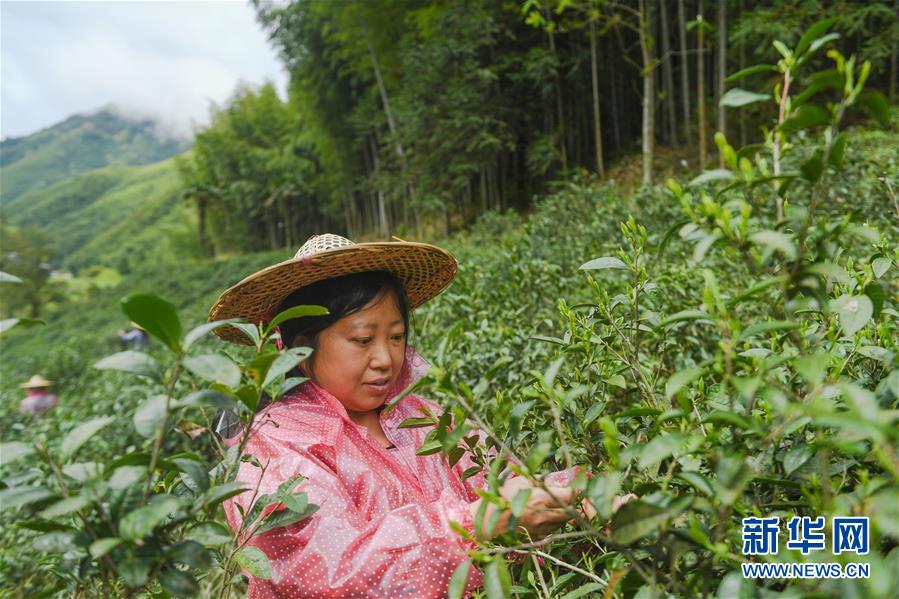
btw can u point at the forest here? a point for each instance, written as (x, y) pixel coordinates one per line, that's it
(420, 116)
(676, 227)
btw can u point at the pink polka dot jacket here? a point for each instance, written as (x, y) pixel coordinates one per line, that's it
(382, 528)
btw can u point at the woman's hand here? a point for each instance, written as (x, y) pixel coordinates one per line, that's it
(544, 512)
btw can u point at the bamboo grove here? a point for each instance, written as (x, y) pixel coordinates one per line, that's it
(413, 117)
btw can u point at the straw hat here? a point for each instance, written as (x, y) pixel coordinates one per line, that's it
(424, 270)
(36, 382)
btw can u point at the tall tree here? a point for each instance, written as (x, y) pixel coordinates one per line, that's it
(647, 53)
(594, 79)
(700, 84)
(667, 71)
(722, 71)
(685, 72)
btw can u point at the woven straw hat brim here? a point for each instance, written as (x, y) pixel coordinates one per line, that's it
(425, 271)
(36, 382)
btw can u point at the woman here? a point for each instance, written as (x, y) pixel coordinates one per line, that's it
(382, 528)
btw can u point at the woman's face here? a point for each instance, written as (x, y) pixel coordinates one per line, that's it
(360, 356)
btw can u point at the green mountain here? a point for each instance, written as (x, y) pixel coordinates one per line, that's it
(79, 144)
(114, 216)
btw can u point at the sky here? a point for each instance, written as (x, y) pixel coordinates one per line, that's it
(162, 60)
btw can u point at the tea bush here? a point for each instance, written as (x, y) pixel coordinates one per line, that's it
(726, 349)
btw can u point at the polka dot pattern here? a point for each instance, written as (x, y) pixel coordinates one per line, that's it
(382, 528)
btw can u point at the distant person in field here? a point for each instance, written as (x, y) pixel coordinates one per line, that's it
(135, 339)
(382, 528)
(38, 398)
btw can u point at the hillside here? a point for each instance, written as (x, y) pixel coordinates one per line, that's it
(79, 144)
(114, 216)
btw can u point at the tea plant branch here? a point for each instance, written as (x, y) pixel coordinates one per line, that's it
(781, 116)
(64, 489)
(161, 431)
(565, 565)
(539, 572)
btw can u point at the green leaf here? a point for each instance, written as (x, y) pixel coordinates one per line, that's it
(854, 311)
(756, 288)
(255, 562)
(718, 174)
(66, 506)
(286, 518)
(190, 553)
(15, 450)
(220, 493)
(796, 457)
(285, 362)
(602, 490)
(134, 362)
(862, 401)
(178, 583)
(776, 240)
(197, 333)
(195, 472)
(537, 455)
(812, 168)
(659, 448)
(681, 378)
(209, 533)
(767, 327)
(215, 368)
(290, 383)
(636, 519)
(616, 380)
(697, 481)
(753, 70)
(704, 244)
(157, 316)
(149, 416)
(8, 323)
(417, 422)
(782, 50)
(5, 277)
(590, 587)
(838, 151)
(101, 547)
(15, 497)
(826, 79)
(876, 104)
(808, 116)
(877, 296)
(79, 435)
(459, 580)
(686, 315)
(519, 502)
(497, 582)
(813, 33)
(740, 97)
(296, 312)
(812, 368)
(720, 416)
(880, 266)
(830, 270)
(430, 447)
(140, 522)
(603, 263)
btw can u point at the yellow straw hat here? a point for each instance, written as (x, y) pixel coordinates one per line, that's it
(36, 382)
(425, 270)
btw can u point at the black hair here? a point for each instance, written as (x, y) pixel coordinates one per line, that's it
(342, 296)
